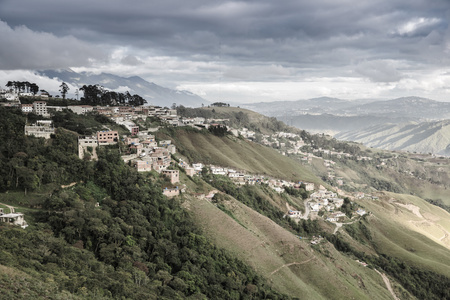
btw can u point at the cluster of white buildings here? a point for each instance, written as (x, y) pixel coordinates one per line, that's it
(242, 178)
(324, 199)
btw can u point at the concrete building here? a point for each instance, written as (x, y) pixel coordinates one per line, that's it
(174, 175)
(86, 144)
(171, 192)
(134, 130)
(81, 109)
(107, 137)
(40, 108)
(144, 165)
(42, 128)
(190, 171)
(26, 108)
(14, 219)
(165, 143)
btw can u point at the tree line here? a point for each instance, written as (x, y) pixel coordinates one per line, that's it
(23, 86)
(97, 95)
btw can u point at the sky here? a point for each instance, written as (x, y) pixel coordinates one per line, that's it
(238, 51)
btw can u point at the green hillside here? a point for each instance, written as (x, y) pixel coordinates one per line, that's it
(236, 153)
(101, 230)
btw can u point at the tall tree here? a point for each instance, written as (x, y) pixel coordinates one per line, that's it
(9, 84)
(64, 88)
(34, 88)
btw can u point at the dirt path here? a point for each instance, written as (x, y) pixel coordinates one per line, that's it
(290, 264)
(288, 207)
(11, 208)
(388, 284)
(69, 185)
(338, 225)
(306, 214)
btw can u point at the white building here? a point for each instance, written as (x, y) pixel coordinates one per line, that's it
(81, 109)
(42, 128)
(15, 219)
(198, 167)
(40, 108)
(26, 108)
(218, 170)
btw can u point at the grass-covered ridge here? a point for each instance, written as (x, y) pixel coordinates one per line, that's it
(229, 151)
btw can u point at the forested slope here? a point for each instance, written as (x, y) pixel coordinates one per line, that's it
(135, 244)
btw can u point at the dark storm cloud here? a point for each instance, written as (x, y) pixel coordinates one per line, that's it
(302, 34)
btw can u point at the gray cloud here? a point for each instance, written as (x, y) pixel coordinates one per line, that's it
(379, 71)
(131, 60)
(22, 48)
(300, 38)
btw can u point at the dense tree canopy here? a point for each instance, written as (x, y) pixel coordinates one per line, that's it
(97, 95)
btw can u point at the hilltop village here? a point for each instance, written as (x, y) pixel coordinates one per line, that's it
(142, 151)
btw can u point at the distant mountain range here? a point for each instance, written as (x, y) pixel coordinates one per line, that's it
(406, 107)
(153, 93)
(299, 107)
(410, 107)
(425, 137)
(411, 123)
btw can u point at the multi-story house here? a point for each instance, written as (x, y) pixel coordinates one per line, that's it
(40, 108)
(107, 137)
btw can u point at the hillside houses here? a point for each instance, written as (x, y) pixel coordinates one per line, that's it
(241, 178)
(324, 199)
(42, 128)
(90, 143)
(335, 217)
(148, 155)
